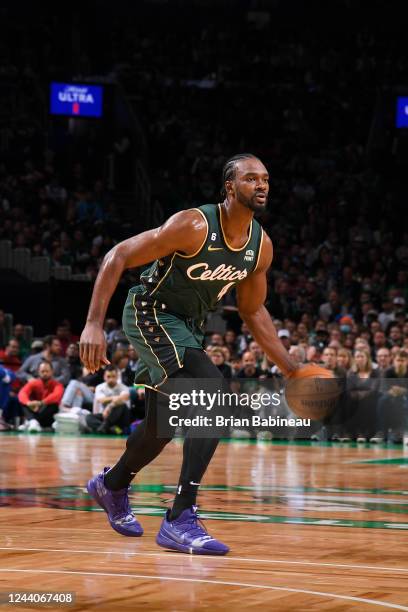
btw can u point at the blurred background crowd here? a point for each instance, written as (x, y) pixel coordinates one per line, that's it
(310, 100)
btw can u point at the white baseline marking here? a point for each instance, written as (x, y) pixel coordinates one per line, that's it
(208, 557)
(383, 604)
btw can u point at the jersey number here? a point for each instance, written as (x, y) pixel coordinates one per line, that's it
(224, 291)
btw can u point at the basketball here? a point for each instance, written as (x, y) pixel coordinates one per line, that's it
(312, 392)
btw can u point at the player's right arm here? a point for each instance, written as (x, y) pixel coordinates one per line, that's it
(185, 232)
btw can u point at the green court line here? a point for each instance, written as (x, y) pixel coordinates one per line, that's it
(328, 502)
(62, 497)
(241, 441)
(357, 505)
(75, 490)
(263, 518)
(161, 488)
(390, 461)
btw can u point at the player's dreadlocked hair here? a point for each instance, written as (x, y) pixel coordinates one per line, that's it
(228, 171)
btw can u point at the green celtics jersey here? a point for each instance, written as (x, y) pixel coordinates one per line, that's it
(191, 285)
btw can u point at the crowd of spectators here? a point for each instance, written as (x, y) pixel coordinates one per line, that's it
(72, 227)
(51, 379)
(333, 211)
(373, 362)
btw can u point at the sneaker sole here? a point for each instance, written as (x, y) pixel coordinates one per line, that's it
(164, 542)
(90, 487)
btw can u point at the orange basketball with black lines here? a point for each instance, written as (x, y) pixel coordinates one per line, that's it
(312, 392)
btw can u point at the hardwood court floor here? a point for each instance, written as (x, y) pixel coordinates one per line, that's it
(311, 527)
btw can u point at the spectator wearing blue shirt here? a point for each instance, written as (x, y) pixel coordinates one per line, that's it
(6, 379)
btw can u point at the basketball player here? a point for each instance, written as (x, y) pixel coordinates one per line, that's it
(198, 255)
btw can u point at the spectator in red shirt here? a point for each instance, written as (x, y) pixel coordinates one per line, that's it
(9, 356)
(40, 398)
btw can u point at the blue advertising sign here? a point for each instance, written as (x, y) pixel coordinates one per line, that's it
(402, 112)
(76, 99)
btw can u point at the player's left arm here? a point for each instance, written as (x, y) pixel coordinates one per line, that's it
(251, 294)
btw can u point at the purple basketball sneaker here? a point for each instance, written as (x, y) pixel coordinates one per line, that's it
(187, 534)
(116, 505)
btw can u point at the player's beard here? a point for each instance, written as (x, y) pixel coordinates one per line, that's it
(251, 203)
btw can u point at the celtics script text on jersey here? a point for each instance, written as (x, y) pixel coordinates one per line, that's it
(191, 285)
